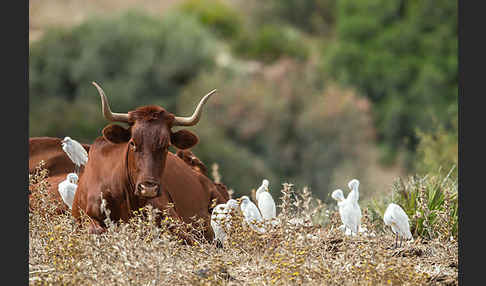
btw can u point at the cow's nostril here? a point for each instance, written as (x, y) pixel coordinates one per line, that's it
(148, 189)
(148, 185)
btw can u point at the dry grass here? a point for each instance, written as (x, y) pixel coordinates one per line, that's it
(141, 253)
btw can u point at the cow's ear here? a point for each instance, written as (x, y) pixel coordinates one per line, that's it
(184, 139)
(116, 133)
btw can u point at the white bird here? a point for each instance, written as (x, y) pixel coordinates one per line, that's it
(396, 217)
(220, 218)
(349, 210)
(75, 152)
(251, 213)
(266, 204)
(67, 189)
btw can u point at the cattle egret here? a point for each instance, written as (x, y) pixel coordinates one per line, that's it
(221, 217)
(266, 204)
(218, 218)
(67, 189)
(75, 152)
(251, 213)
(349, 210)
(396, 217)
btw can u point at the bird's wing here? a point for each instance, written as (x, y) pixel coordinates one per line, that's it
(62, 185)
(253, 212)
(82, 152)
(67, 149)
(218, 230)
(266, 204)
(258, 192)
(402, 221)
(70, 192)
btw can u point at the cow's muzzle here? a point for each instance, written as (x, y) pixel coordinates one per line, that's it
(148, 189)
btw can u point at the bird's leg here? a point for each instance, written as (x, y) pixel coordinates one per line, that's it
(396, 240)
(401, 242)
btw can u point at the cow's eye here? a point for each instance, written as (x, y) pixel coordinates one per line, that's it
(132, 145)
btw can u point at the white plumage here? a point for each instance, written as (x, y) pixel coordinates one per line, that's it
(67, 189)
(266, 204)
(353, 186)
(349, 210)
(396, 217)
(251, 213)
(75, 152)
(220, 218)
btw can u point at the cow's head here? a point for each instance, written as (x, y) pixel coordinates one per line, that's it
(148, 138)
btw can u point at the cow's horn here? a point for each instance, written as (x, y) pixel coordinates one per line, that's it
(105, 107)
(194, 118)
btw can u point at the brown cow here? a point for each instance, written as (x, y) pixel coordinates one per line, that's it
(56, 161)
(197, 165)
(131, 167)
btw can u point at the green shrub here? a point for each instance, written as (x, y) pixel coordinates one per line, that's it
(271, 42)
(216, 15)
(438, 150)
(403, 56)
(430, 201)
(136, 58)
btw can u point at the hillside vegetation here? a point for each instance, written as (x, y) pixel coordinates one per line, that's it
(312, 92)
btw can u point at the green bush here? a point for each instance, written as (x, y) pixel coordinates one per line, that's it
(438, 150)
(216, 15)
(271, 42)
(136, 58)
(403, 56)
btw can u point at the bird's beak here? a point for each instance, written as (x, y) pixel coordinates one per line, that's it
(266, 189)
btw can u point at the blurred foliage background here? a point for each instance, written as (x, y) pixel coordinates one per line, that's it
(310, 92)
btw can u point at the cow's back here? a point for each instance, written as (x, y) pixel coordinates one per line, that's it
(191, 191)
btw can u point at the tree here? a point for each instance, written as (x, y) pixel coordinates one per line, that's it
(403, 56)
